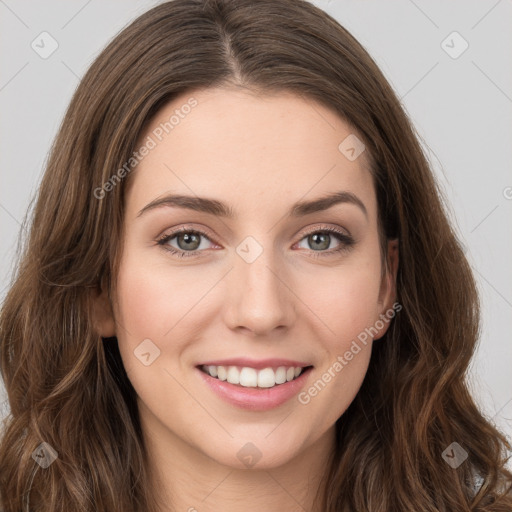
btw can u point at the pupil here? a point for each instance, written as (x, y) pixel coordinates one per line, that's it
(189, 238)
(315, 237)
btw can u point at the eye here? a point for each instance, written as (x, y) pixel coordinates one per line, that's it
(321, 239)
(189, 243)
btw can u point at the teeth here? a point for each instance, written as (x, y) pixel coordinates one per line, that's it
(221, 372)
(281, 375)
(251, 378)
(248, 377)
(266, 378)
(233, 375)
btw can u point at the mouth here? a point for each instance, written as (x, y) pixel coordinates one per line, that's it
(249, 377)
(252, 389)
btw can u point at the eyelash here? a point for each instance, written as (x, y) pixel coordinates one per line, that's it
(346, 242)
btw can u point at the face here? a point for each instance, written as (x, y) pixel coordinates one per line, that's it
(275, 280)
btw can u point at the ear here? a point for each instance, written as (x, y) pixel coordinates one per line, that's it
(387, 293)
(103, 317)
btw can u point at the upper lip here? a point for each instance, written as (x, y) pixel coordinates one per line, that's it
(258, 364)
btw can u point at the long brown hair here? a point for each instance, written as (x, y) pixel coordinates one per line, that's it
(67, 386)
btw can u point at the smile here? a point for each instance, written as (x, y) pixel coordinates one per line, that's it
(252, 378)
(265, 390)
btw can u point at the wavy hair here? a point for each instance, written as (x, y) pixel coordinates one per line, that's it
(67, 386)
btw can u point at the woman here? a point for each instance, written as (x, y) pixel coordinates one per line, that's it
(241, 289)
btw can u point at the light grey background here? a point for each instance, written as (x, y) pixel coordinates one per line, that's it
(461, 107)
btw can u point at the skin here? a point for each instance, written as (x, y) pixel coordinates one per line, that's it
(259, 154)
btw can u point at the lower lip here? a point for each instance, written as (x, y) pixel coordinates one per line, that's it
(256, 399)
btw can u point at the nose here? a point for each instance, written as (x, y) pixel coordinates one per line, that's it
(259, 298)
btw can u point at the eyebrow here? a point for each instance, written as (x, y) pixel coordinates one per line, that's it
(218, 208)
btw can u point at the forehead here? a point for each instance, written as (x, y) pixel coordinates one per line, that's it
(248, 150)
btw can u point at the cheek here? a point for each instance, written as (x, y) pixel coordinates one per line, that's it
(347, 302)
(151, 300)
(152, 305)
(345, 298)
(349, 308)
